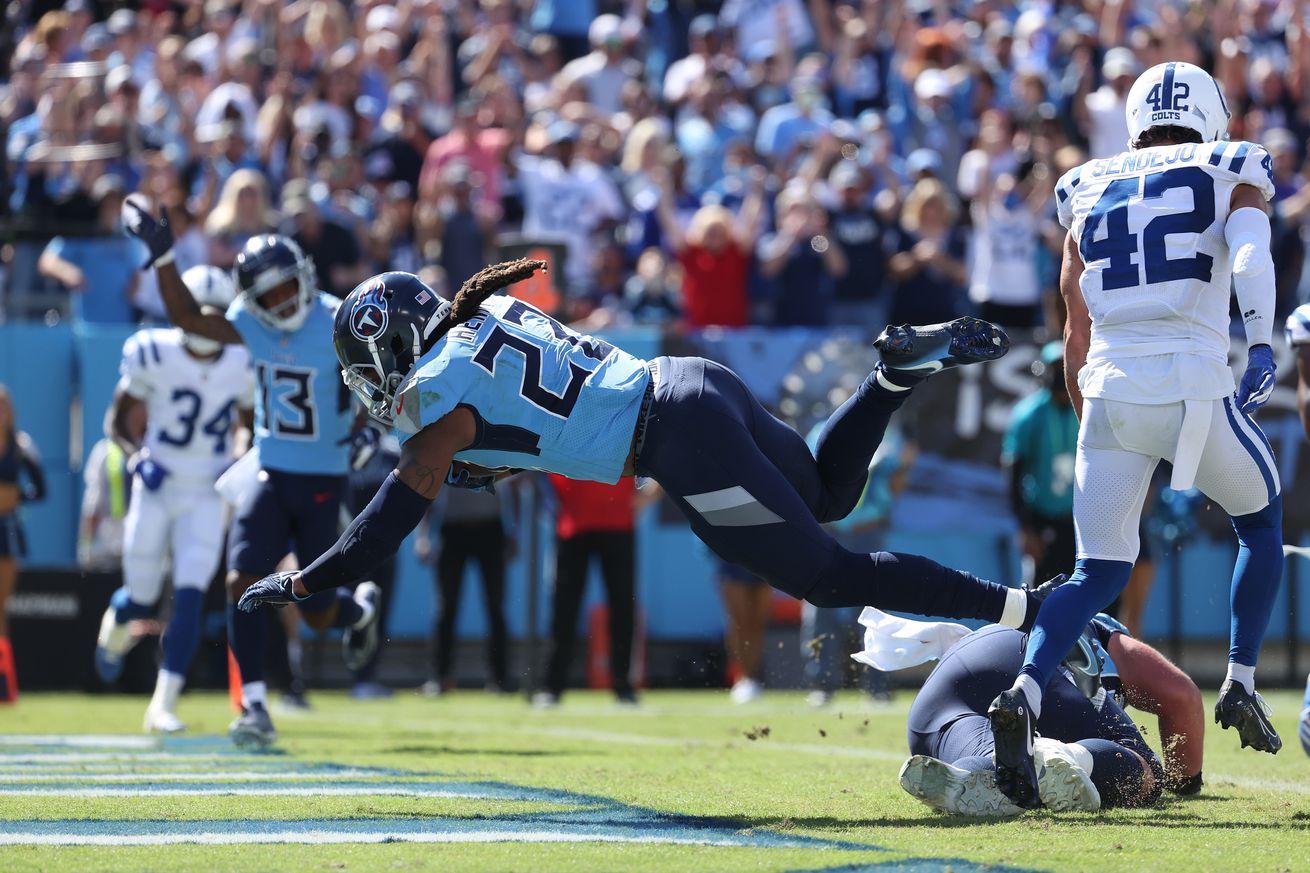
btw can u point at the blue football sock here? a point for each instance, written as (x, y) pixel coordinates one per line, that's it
(1256, 577)
(906, 583)
(348, 611)
(1118, 774)
(183, 633)
(247, 634)
(1065, 613)
(852, 433)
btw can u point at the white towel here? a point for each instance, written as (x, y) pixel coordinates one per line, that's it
(893, 643)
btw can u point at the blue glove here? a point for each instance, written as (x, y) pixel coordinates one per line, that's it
(151, 472)
(154, 232)
(364, 445)
(275, 590)
(1258, 380)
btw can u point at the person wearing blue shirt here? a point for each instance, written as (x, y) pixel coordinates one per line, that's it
(782, 127)
(1038, 449)
(100, 271)
(303, 440)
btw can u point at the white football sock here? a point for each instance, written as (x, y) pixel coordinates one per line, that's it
(367, 612)
(1028, 685)
(168, 686)
(254, 693)
(1015, 609)
(1242, 674)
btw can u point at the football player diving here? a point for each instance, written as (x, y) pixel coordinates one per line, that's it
(482, 386)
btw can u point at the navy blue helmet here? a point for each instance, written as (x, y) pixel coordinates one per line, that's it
(382, 328)
(265, 262)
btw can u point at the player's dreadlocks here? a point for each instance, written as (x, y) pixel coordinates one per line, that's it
(479, 287)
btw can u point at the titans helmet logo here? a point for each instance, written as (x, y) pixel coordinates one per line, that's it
(368, 321)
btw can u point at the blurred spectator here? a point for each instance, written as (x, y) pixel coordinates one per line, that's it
(928, 268)
(785, 128)
(748, 602)
(861, 296)
(594, 520)
(106, 493)
(19, 461)
(762, 25)
(100, 271)
(469, 525)
(605, 71)
(329, 244)
(462, 225)
(1106, 122)
(828, 636)
(480, 149)
(567, 199)
(1039, 450)
(715, 256)
(804, 261)
(1003, 281)
(243, 210)
(651, 295)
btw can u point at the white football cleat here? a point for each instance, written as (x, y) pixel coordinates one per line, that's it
(112, 643)
(159, 721)
(745, 691)
(947, 788)
(1063, 783)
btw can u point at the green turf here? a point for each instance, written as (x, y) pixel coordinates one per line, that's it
(828, 774)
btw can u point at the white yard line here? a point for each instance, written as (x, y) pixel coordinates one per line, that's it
(289, 836)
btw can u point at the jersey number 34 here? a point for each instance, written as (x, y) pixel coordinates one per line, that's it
(1118, 245)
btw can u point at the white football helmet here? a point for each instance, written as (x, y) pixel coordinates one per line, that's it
(1177, 94)
(210, 286)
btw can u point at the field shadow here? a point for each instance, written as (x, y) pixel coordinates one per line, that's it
(452, 750)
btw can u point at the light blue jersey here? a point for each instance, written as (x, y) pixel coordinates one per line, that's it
(546, 398)
(303, 412)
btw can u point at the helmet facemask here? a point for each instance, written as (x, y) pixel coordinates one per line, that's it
(374, 385)
(291, 313)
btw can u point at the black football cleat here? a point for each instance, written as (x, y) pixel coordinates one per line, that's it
(928, 348)
(1249, 714)
(1012, 735)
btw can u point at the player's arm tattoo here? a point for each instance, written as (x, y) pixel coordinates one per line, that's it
(427, 456)
(184, 312)
(422, 478)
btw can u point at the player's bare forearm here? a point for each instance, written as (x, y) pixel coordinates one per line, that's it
(427, 456)
(1155, 685)
(185, 313)
(1077, 322)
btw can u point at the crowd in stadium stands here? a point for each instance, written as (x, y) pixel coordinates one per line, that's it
(771, 162)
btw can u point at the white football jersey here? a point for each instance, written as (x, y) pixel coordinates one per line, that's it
(190, 404)
(1150, 227)
(1298, 326)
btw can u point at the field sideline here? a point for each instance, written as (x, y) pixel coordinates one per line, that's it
(685, 782)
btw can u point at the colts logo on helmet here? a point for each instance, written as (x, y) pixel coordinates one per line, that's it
(368, 319)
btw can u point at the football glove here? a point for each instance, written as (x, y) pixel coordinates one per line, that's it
(276, 590)
(1258, 380)
(363, 444)
(151, 472)
(154, 232)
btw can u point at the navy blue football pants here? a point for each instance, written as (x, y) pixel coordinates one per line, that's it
(755, 493)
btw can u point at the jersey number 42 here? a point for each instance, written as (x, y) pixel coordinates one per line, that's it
(1118, 245)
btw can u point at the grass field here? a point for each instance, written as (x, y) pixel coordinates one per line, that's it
(684, 782)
